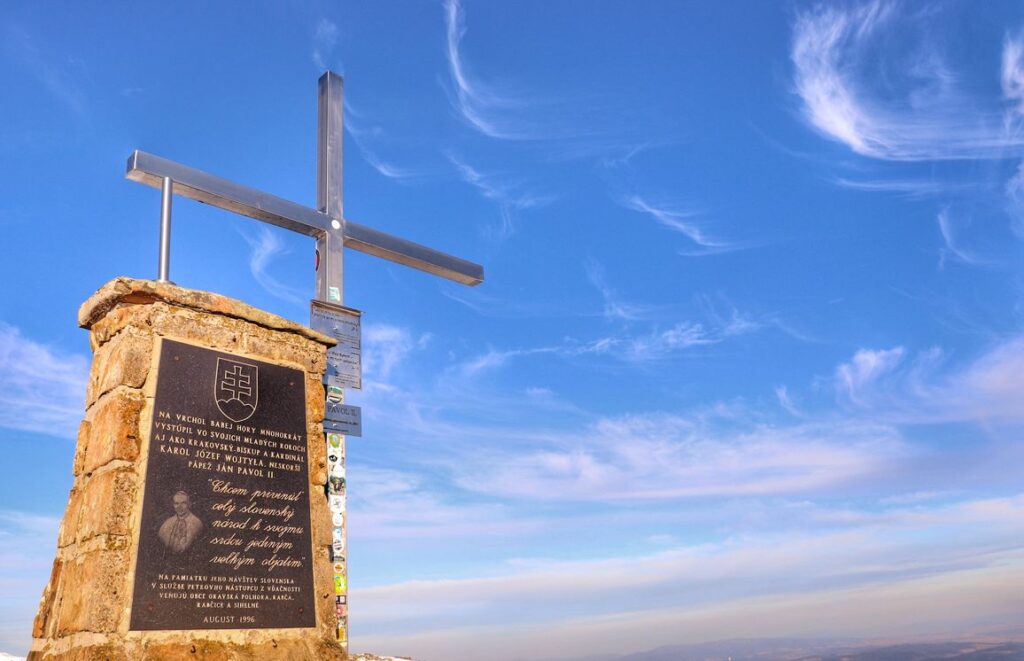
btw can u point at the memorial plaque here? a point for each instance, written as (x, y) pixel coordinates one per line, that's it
(224, 538)
(344, 360)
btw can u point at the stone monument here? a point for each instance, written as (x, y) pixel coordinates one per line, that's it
(207, 514)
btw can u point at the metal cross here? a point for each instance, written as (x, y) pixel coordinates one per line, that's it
(326, 223)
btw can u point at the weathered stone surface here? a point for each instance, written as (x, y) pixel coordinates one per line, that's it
(81, 446)
(42, 626)
(93, 591)
(107, 500)
(83, 613)
(129, 291)
(124, 361)
(68, 532)
(114, 428)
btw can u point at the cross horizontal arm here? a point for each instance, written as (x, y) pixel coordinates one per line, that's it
(203, 187)
(215, 191)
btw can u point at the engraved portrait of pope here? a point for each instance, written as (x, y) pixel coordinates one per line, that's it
(182, 528)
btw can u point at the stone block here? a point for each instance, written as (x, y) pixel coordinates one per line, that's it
(42, 625)
(94, 591)
(68, 533)
(124, 316)
(282, 348)
(222, 333)
(107, 498)
(90, 652)
(124, 361)
(81, 446)
(114, 428)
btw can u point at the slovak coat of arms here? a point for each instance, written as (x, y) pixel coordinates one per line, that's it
(236, 389)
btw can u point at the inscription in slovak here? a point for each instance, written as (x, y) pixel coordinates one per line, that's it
(224, 540)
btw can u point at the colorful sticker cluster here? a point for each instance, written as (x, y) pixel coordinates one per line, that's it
(336, 504)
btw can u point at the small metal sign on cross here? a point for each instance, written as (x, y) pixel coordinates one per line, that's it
(326, 223)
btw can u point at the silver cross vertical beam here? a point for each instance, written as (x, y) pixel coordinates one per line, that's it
(326, 223)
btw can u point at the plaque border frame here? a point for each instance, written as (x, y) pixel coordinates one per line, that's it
(142, 468)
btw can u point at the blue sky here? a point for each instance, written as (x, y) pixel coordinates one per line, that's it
(748, 360)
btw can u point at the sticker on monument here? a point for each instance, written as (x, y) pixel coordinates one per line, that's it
(338, 519)
(336, 503)
(338, 470)
(340, 585)
(224, 537)
(236, 389)
(334, 440)
(339, 567)
(341, 599)
(336, 485)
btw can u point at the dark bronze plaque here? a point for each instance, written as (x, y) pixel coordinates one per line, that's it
(224, 541)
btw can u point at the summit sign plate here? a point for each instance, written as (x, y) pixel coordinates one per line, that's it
(344, 360)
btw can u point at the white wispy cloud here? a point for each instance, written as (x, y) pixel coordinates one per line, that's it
(63, 76)
(264, 248)
(865, 369)
(1012, 71)
(511, 194)
(913, 189)
(385, 347)
(42, 388)
(839, 53)
(325, 38)
(925, 389)
(371, 139)
(951, 248)
(394, 504)
(615, 308)
(1015, 199)
(490, 111)
(662, 456)
(685, 221)
(942, 571)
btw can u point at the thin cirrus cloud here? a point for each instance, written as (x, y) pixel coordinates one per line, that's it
(370, 139)
(489, 111)
(512, 194)
(684, 221)
(41, 388)
(61, 76)
(927, 568)
(325, 38)
(615, 307)
(894, 386)
(264, 248)
(838, 54)
(913, 189)
(657, 343)
(952, 250)
(668, 457)
(392, 504)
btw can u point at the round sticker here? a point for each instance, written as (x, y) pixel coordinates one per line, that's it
(338, 519)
